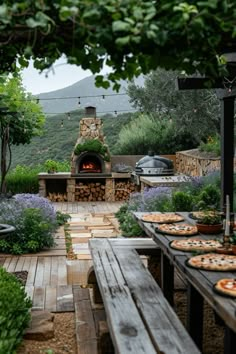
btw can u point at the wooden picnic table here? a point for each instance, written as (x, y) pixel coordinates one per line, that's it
(199, 285)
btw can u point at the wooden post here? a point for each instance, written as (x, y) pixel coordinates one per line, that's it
(227, 150)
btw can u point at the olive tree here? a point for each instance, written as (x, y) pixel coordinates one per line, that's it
(21, 118)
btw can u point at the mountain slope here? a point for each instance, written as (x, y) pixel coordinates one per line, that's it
(64, 103)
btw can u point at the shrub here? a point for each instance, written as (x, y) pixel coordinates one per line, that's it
(182, 201)
(208, 198)
(35, 222)
(14, 312)
(62, 218)
(128, 225)
(93, 145)
(212, 145)
(23, 179)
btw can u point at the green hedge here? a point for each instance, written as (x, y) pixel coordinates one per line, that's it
(14, 312)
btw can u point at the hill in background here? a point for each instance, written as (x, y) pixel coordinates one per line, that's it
(66, 99)
(57, 142)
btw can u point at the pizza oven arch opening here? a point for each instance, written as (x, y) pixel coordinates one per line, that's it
(89, 162)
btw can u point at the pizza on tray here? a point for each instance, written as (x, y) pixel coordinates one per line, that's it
(195, 244)
(162, 218)
(177, 230)
(213, 261)
(226, 287)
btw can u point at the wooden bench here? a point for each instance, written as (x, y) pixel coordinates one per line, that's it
(139, 318)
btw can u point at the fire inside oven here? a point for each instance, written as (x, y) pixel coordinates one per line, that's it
(90, 164)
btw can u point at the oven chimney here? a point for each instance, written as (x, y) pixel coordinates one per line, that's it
(90, 112)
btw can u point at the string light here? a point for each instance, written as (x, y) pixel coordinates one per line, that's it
(62, 123)
(68, 116)
(115, 113)
(37, 99)
(103, 97)
(79, 102)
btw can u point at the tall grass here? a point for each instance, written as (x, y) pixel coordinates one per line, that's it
(24, 179)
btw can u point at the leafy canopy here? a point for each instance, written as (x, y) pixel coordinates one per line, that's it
(130, 36)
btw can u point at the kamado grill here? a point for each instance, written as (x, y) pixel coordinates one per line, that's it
(152, 165)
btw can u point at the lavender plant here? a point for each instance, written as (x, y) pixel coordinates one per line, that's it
(35, 222)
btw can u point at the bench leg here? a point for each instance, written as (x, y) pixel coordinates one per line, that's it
(105, 345)
(167, 279)
(195, 315)
(154, 267)
(229, 341)
(93, 281)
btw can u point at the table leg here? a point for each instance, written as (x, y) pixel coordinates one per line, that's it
(167, 279)
(195, 315)
(229, 341)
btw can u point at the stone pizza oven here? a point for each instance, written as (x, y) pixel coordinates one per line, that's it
(90, 162)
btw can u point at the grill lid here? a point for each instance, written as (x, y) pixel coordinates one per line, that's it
(154, 165)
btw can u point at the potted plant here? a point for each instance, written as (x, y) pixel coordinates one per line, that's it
(210, 222)
(51, 166)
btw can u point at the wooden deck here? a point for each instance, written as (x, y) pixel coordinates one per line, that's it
(88, 207)
(50, 275)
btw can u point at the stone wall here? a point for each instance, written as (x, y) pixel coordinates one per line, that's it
(188, 163)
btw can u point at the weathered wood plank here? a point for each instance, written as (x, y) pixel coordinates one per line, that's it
(118, 303)
(65, 302)
(47, 271)
(85, 326)
(162, 322)
(32, 271)
(39, 272)
(12, 265)
(19, 264)
(62, 271)
(39, 298)
(51, 298)
(54, 271)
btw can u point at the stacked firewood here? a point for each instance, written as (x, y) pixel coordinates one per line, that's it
(57, 197)
(90, 191)
(123, 189)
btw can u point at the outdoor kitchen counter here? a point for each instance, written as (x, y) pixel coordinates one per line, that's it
(199, 283)
(168, 181)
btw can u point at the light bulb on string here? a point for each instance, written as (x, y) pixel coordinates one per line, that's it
(62, 124)
(103, 97)
(68, 116)
(115, 113)
(79, 103)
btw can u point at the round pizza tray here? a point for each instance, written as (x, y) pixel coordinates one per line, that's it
(176, 234)
(164, 222)
(191, 250)
(221, 292)
(209, 270)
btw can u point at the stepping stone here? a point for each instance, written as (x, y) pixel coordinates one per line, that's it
(41, 326)
(84, 257)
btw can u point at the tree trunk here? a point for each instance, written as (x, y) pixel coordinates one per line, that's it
(5, 141)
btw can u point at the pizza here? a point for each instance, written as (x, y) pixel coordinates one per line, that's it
(177, 230)
(162, 218)
(195, 244)
(213, 261)
(226, 287)
(200, 214)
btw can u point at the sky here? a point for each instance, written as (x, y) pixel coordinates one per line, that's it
(62, 76)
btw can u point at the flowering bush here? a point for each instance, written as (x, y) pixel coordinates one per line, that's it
(35, 222)
(35, 201)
